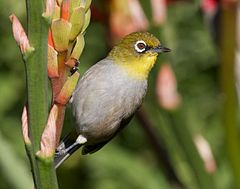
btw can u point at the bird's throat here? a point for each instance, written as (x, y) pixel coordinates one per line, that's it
(139, 68)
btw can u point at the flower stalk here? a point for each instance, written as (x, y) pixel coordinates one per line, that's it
(50, 50)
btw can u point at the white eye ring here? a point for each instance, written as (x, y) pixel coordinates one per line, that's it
(138, 48)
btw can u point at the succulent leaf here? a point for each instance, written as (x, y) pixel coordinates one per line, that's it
(77, 21)
(61, 31)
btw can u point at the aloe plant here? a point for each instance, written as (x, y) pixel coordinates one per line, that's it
(51, 50)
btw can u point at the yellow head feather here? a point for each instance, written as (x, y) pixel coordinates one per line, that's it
(136, 53)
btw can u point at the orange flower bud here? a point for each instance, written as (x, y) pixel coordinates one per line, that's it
(50, 39)
(65, 9)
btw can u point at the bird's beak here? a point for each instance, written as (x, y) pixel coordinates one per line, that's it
(160, 49)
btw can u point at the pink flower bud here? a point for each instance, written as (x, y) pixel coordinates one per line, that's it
(127, 13)
(159, 11)
(209, 6)
(48, 140)
(19, 34)
(166, 88)
(50, 7)
(138, 16)
(25, 126)
(205, 152)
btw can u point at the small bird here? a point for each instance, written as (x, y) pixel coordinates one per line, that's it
(109, 93)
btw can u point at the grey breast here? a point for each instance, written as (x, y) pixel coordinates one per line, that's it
(104, 96)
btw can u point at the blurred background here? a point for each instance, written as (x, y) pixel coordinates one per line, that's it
(185, 136)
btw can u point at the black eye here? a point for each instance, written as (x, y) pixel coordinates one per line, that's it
(140, 46)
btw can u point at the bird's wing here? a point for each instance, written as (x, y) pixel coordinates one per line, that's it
(103, 97)
(94, 95)
(89, 149)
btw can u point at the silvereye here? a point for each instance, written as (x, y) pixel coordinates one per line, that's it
(109, 93)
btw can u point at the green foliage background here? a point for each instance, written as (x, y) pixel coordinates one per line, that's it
(129, 160)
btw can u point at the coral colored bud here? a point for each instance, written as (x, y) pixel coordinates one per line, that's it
(166, 88)
(65, 9)
(205, 152)
(20, 35)
(25, 126)
(67, 90)
(52, 62)
(159, 11)
(50, 39)
(48, 140)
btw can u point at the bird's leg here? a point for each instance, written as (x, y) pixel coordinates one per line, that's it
(61, 150)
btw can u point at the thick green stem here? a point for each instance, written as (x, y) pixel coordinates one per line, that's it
(227, 55)
(37, 83)
(47, 173)
(36, 67)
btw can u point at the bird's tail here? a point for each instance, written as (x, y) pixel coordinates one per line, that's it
(67, 147)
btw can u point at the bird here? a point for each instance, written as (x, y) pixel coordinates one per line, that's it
(109, 93)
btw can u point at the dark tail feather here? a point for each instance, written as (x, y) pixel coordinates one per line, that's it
(66, 148)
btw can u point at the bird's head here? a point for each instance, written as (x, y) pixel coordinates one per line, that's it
(137, 53)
